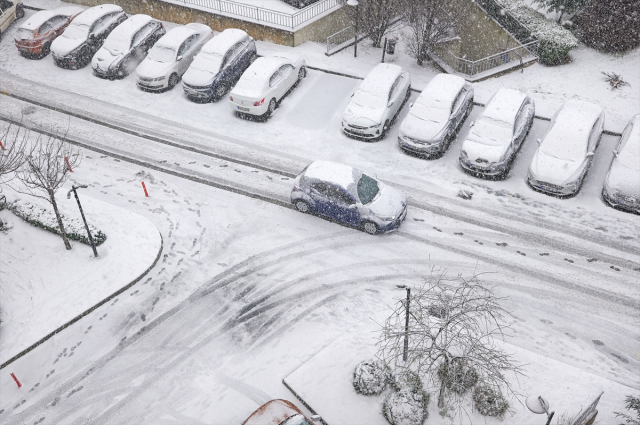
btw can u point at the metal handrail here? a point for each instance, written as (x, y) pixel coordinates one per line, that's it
(340, 37)
(468, 67)
(262, 15)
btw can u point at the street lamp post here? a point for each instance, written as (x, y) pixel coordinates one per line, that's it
(406, 323)
(354, 3)
(73, 189)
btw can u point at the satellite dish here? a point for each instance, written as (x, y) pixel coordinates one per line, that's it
(537, 404)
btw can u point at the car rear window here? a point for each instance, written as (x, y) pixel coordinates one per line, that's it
(24, 34)
(367, 189)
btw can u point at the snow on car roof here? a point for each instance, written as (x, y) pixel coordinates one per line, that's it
(381, 78)
(272, 413)
(175, 36)
(90, 15)
(504, 105)
(332, 172)
(38, 19)
(443, 88)
(128, 28)
(221, 42)
(573, 123)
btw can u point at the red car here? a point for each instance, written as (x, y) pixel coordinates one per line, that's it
(34, 37)
(277, 412)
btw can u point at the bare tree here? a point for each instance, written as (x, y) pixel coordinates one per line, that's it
(375, 17)
(46, 170)
(431, 22)
(12, 152)
(452, 331)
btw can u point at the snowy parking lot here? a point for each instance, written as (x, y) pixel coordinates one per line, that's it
(248, 290)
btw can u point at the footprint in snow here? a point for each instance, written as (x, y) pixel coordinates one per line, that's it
(206, 166)
(521, 253)
(501, 244)
(544, 253)
(478, 242)
(458, 233)
(591, 260)
(437, 229)
(567, 260)
(615, 268)
(418, 219)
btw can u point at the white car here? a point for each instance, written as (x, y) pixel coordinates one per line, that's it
(126, 46)
(10, 10)
(622, 186)
(497, 135)
(376, 102)
(264, 84)
(171, 56)
(436, 115)
(564, 156)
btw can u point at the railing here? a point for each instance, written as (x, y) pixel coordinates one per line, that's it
(262, 15)
(507, 20)
(338, 38)
(470, 68)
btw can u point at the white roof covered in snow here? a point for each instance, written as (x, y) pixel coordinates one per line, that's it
(332, 172)
(90, 15)
(43, 16)
(381, 78)
(504, 105)
(221, 42)
(442, 89)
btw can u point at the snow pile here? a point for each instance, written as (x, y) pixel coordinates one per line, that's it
(371, 377)
(46, 219)
(555, 42)
(408, 403)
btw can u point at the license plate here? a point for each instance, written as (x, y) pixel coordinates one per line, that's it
(240, 108)
(356, 132)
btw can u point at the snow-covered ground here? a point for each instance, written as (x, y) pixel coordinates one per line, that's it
(247, 291)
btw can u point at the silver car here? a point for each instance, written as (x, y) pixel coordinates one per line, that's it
(436, 115)
(621, 188)
(497, 135)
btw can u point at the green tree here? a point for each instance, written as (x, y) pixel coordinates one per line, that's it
(563, 6)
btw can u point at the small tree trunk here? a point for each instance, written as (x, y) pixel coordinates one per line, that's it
(443, 383)
(561, 14)
(52, 197)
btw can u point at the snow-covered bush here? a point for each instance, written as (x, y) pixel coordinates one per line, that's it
(371, 377)
(45, 219)
(460, 378)
(489, 401)
(610, 25)
(554, 41)
(408, 403)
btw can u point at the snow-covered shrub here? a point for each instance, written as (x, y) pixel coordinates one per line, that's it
(554, 41)
(46, 219)
(371, 377)
(408, 403)
(611, 25)
(460, 377)
(489, 401)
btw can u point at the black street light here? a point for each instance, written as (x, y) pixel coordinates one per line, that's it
(354, 3)
(406, 323)
(73, 189)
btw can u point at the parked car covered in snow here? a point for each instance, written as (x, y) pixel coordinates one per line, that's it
(497, 135)
(436, 116)
(171, 56)
(265, 83)
(377, 101)
(622, 185)
(564, 156)
(219, 65)
(85, 35)
(10, 10)
(34, 37)
(277, 412)
(346, 194)
(126, 46)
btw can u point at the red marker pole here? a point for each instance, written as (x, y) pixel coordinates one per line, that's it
(145, 190)
(68, 165)
(16, 379)
(2, 146)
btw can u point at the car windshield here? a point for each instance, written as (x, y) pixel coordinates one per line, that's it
(208, 62)
(431, 112)
(492, 132)
(369, 100)
(162, 54)
(77, 31)
(117, 45)
(24, 34)
(367, 189)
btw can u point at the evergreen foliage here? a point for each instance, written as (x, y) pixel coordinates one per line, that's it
(611, 25)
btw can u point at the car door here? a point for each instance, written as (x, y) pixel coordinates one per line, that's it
(185, 53)
(521, 124)
(342, 206)
(319, 194)
(392, 98)
(458, 108)
(7, 14)
(276, 84)
(289, 77)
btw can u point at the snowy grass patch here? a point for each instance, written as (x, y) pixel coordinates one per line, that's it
(46, 219)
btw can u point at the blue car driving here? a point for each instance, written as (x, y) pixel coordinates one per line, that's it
(344, 193)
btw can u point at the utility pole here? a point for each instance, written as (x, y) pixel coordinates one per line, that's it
(73, 189)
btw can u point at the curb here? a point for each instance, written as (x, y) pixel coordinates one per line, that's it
(304, 403)
(81, 315)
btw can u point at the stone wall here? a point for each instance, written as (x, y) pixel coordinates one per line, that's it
(316, 31)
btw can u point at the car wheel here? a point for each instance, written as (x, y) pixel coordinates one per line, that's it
(173, 80)
(221, 90)
(19, 12)
(302, 73)
(303, 207)
(370, 227)
(46, 49)
(385, 128)
(272, 107)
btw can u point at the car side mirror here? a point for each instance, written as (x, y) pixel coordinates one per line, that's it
(352, 207)
(389, 105)
(179, 58)
(352, 94)
(472, 124)
(316, 418)
(92, 37)
(615, 152)
(590, 154)
(539, 141)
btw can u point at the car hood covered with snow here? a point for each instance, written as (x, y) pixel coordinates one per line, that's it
(550, 169)
(149, 68)
(424, 123)
(104, 58)
(389, 202)
(475, 150)
(62, 45)
(362, 115)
